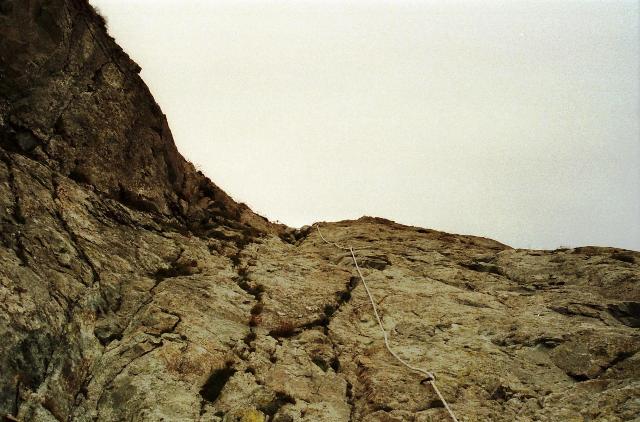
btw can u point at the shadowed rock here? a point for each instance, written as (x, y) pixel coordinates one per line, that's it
(133, 288)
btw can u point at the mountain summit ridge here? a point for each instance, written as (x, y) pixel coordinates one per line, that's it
(133, 288)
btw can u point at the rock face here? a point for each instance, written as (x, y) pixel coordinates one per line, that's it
(132, 288)
(72, 100)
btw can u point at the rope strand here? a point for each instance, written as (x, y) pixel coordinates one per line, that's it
(431, 379)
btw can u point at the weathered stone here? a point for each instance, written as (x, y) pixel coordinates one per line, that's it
(587, 354)
(132, 288)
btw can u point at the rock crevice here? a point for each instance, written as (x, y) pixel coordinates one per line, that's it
(133, 288)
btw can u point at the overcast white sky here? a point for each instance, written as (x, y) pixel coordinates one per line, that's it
(515, 120)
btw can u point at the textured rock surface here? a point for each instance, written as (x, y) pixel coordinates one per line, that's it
(132, 288)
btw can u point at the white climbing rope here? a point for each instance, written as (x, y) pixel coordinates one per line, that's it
(430, 376)
(346, 248)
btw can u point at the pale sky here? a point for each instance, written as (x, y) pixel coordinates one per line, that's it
(514, 120)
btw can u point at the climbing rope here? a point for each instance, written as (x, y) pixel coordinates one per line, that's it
(346, 248)
(430, 377)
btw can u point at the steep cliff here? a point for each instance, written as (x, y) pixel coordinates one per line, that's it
(133, 288)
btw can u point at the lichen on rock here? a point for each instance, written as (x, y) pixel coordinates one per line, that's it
(133, 288)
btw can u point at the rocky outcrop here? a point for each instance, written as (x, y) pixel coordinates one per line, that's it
(132, 288)
(72, 100)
